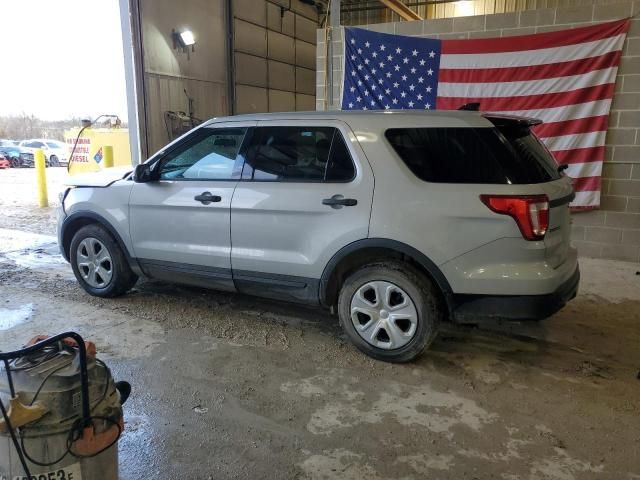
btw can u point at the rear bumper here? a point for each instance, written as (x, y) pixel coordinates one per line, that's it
(473, 308)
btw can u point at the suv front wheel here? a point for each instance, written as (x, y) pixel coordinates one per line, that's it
(99, 263)
(389, 311)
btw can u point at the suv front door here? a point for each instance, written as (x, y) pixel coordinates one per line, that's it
(306, 192)
(180, 221)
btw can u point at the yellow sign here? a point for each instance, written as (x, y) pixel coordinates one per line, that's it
(88, 155)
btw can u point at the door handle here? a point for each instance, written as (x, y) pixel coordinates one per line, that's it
(338, 201)
(206, 198)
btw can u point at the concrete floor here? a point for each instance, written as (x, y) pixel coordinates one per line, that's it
(229, 386)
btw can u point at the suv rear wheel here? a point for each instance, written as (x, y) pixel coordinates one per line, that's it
(389, 311)
(99, 264)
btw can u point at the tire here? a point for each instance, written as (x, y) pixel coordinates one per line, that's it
(399, 279)
(53, 161)
(93, 245)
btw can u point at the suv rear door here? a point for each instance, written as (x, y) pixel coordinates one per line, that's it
(306, 192)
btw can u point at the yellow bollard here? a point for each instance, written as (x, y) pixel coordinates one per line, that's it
(107, 156)
(41, 177)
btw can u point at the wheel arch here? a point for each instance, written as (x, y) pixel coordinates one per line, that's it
(77, 220)
(359, 253)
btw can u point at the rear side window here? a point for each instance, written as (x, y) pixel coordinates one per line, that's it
(298, 154)
(473, 155)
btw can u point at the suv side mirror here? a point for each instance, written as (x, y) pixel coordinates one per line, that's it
(142, 173)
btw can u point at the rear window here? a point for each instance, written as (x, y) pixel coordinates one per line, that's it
(474, 155)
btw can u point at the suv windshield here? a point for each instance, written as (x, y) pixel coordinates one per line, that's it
(504, 155)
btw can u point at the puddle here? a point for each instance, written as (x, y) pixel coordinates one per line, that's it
(30, 250)
(11, 317)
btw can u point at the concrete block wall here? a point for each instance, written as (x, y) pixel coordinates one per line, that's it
(274, 55)
(614, 230)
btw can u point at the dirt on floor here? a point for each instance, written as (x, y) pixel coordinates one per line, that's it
(230, 386)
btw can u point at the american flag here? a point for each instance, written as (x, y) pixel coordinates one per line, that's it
(565, 78)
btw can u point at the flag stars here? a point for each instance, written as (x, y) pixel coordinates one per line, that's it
(389, 57)
(360, 67)
(419, 97)
(366, 61)
(353, 41)
(403, 94)
(413, 70)
(350, 105)
(427, 106)
(374, 54)
(373, 71)
(410, 104)
(432, 54)
(405, 60)
(380, 97)
(381, 64)
(359, 83)
(367, 44)
(387, 107)
(412, 87)
(353, 73)
(398, 50)
(394, 101)
(359, 51)
(373, 103)
(429, 89)
(352, 89)
(414, 53)
(404, 78)
(387, 91)
(429, 72)
(373, 88)
(388, 74)
(358, 99)
(380, 81)
(382, 47)
(422, 62)
(420, 79)
(366, 77)
(366, 93)
(396, 84)
(397, 68)
(353, 57)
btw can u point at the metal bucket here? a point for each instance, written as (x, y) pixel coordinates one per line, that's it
(75, 439)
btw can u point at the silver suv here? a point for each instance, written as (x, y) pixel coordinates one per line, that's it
(394, 220)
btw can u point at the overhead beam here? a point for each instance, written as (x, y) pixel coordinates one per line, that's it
(401, 9)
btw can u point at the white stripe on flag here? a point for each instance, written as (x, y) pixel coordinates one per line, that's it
(586, 199)
(528, 87)
(590, 169)
(578, 140)
(568, 112)
(532, 57)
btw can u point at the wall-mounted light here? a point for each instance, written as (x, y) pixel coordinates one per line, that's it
(463, 8)
(183, 40)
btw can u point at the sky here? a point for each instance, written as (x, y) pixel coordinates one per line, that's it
(72, 67)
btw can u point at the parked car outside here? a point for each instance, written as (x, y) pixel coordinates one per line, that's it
(55, 152)
(469, 219)
(4, 162)
(11, 153)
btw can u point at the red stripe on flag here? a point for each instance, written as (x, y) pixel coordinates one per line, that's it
(530, 102)
(537, 40)
(586, 184)
(579, 155)
(570, 127)
(533, 72)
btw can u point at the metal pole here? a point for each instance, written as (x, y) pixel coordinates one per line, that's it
(334, 16)
(41, 177)
(107, 152)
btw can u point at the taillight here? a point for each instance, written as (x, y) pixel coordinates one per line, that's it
(531, 212)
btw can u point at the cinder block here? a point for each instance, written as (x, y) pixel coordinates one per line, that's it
(613, 204)
(631, 47)
(634, 28)
(612, 11)
(577, 232)
(635, 173)
(301, 8)
(537, 17)
(631, 237)
(630, 119)
(550, 28)
(512, 32)
(621, 136)
(251, 10)
(250, 38)
(469, 24)
(626, 101)
(319, 105)
(633, 205)
(588, 249)
(627, 253)
(274, 19)
(305, 54)
(622, 220)
(627, 154)
(289, 23)
(453, 36)
(280, 101)
(251, 70)
(305, 81)
(409, 28)
(630, 83)
(305, 29)
(306, 102)
(281, 76)
(616, 170)
(321, 63)
(629, 65)
(574, 14)
(608, 153)
(624, 187)
(441, 25)
(502, 20)
(603, 235)
(487, 34)
(381, 27)
(251, 99)
(613, 119)
(281, 47)
(592, 218)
